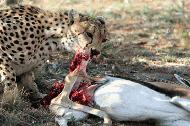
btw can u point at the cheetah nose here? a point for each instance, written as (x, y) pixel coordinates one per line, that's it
(94, 52)
(104, 40)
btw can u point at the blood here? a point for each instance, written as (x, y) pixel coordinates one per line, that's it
(79, 95)
(79, 57)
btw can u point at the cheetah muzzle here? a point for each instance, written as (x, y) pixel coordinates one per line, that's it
(29, 35)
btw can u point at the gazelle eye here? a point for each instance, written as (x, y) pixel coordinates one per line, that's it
(89, 34)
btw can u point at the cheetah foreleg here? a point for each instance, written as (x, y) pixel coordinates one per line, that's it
(8, 81)
(27, 81)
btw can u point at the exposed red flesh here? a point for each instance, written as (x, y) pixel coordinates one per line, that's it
(79, 57)
(79, 95)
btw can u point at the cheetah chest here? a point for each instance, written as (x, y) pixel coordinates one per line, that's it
(22, 68)
(29, 64)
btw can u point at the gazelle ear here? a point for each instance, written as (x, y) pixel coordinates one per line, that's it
(73, 16)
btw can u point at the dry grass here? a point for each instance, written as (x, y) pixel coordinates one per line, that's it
(149, 41)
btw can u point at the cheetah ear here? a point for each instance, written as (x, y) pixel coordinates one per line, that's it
(73, 16)
(101, 19)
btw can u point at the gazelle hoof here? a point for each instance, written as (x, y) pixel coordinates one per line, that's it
(107, 121)
(106, 124)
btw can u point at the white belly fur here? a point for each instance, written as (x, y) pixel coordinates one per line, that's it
(125, 100)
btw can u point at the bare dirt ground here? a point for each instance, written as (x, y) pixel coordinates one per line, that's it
(149, 41)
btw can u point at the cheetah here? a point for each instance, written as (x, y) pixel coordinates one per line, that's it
(29, 35)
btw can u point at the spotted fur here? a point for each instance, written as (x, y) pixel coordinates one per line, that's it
(28, 35)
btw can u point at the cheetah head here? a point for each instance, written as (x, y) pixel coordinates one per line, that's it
(86, 33)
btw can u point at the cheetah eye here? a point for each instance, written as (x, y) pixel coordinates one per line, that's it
(104, 40)
(89, 34)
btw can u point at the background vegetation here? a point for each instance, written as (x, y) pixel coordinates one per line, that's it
(149, 41)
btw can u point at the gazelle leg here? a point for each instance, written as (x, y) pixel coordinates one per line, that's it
(93, 111)
(180, 101)
(61, 121)
(67, 103)
(86, 77)
(63, 100)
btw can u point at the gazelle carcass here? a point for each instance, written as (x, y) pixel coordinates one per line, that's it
(125, 99)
